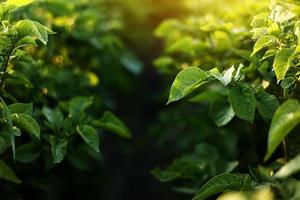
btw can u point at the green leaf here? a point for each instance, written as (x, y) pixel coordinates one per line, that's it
(112, 123)
(7, 173)
(264, 41)
(18, 78)
(21, 108)
(282, 62)
(25, 41)
(54, 117)
(290, 168)
(226, 77)
(27, 123)
(242, 99)
(89, 135)
(224, 182)
(221, 112)
(77, 106)
(206, 96)
(286, 117)
(34, 29)
(266, 104)
(165, 175)
(27, 153)
(185, 45)
(185, 82)
(58, 148)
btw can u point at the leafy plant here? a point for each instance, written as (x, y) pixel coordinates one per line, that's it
(255, 81)
(40, 120)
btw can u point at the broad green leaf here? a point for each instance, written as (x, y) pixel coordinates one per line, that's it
(266, 104)
(260, 20)
(112, 123)
(27, 153)
(264, 41)
(206, 96)
(89, 135)
(58, 148)
(224, 182)
(282, 62)
(34, 29)
(286, 117)
(77, 106)
(221, 112)
(27, 123)
(242, 99)
(290, 168)
(21, 108)
(185, 82)
(7, 173)
(54, 117)
(19, 3)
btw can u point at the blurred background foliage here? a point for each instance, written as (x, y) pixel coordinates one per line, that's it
(126, 53)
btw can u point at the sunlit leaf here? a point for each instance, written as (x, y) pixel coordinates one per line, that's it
(286, 117)
(185, 82)
(224, 182)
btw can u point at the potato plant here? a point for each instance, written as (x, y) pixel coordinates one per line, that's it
(41, 121)
(246, 76)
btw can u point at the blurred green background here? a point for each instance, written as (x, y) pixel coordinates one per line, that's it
(123, 52)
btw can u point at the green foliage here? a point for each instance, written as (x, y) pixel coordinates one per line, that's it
(257, 69)
(7, 173)
(286, 117)
(224, 182)
(59, 82)
(185, 82)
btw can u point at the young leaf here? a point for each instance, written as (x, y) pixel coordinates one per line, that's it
(286, 117)
(77, 106)
(266, 104)
(221, 112)
(54, 117)
(224, 182)
(112, 123)
(89, 135)
(27, 153)
(290, 168)
(282, 62)
(21, 108)
(27, 123)
(58, 148)
(7, 173)
(185, 82)
(242, 99)
(34, 29)
(227, 75)
(263, 42)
